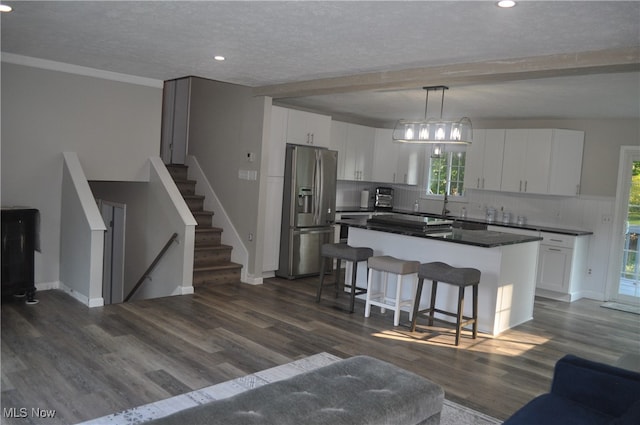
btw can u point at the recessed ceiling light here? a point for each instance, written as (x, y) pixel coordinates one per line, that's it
(506, 3)
(5, 8)
(219, 58)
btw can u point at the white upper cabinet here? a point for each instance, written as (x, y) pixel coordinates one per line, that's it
(566, 162)
(410, 164)
(339, 143)
(306, 128)
(474, 161)
(298, 127)
(543, 161)
(385, 156)
(526, 163)
(483, 163)
(354, 144)
(358, 162)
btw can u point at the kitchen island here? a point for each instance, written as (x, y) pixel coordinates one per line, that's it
(508, 263)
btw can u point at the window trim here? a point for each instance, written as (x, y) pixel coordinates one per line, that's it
(427, 173)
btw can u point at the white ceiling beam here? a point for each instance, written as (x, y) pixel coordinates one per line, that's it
(581, 63)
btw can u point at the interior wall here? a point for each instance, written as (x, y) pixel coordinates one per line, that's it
(226, 124)
(113, 126)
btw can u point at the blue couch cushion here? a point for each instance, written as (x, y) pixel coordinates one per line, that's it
(600, 386)
(550, 409)
(630, 417)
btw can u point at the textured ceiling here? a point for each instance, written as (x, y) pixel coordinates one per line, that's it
(273, 42)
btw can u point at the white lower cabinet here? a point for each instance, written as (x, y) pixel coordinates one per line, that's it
(562, 263)
(554, 268)
(561, 266)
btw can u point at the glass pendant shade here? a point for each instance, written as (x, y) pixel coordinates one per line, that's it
(433, 130)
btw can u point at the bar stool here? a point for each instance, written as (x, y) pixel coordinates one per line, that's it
(387, 264)
(342, 251)
(460, 277)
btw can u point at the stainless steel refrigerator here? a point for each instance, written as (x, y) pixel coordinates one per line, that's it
(308, 209)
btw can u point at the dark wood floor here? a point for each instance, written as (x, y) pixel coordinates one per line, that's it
(86, 363)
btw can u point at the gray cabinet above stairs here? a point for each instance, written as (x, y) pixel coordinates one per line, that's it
(211, 259)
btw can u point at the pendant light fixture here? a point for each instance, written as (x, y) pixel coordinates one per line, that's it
(433, 130)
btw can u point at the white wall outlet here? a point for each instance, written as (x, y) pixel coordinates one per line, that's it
(607, 218)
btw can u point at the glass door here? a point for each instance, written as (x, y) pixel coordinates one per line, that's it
(626, 253)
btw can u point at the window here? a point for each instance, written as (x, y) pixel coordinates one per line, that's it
(446, 174)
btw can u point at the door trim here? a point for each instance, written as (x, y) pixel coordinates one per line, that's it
(627, 154)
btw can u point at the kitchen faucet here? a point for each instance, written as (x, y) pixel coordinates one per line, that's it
(445, 211)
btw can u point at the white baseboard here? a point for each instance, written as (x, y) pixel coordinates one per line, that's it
(252, 280)
(46, 286)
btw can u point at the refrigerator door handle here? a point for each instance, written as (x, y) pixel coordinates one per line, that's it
(321, 214)
(316, 189)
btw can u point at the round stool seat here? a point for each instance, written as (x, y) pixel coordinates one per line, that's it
(387, 263)
(443, 272)
(345, 252)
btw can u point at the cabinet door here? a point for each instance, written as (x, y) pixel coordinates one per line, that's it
(554, 268)
(359, 152)
(385, 156)
(515, 151)
(277, 143)
(410, 163)
(536, 164)
(474, 161)
(566, 162)
(273, 218)
(306, 128)
(339, 143)
(493, 159)
(526, 161)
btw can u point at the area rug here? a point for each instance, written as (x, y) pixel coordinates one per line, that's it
(452, 413)
(622, 307)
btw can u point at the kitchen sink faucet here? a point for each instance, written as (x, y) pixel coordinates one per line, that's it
(445, 211)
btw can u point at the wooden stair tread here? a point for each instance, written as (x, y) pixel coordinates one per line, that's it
(193, 197)
(222, 266)
(211, 229)
(218, 247)
(202, 212)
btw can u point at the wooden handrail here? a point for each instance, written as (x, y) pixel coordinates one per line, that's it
(153, 264)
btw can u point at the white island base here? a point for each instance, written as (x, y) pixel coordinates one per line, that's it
(507, 284)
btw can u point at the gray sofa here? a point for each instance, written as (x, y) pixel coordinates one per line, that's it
(358, 390)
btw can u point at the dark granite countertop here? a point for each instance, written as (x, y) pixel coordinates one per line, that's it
(479, 238)
(533, 227)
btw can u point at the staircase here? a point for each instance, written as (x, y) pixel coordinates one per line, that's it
(211, 260)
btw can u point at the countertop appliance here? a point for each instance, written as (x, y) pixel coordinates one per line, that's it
(411, 222)
(384, 198)
(308, 209)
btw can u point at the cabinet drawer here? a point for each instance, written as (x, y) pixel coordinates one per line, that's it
(555, 239)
